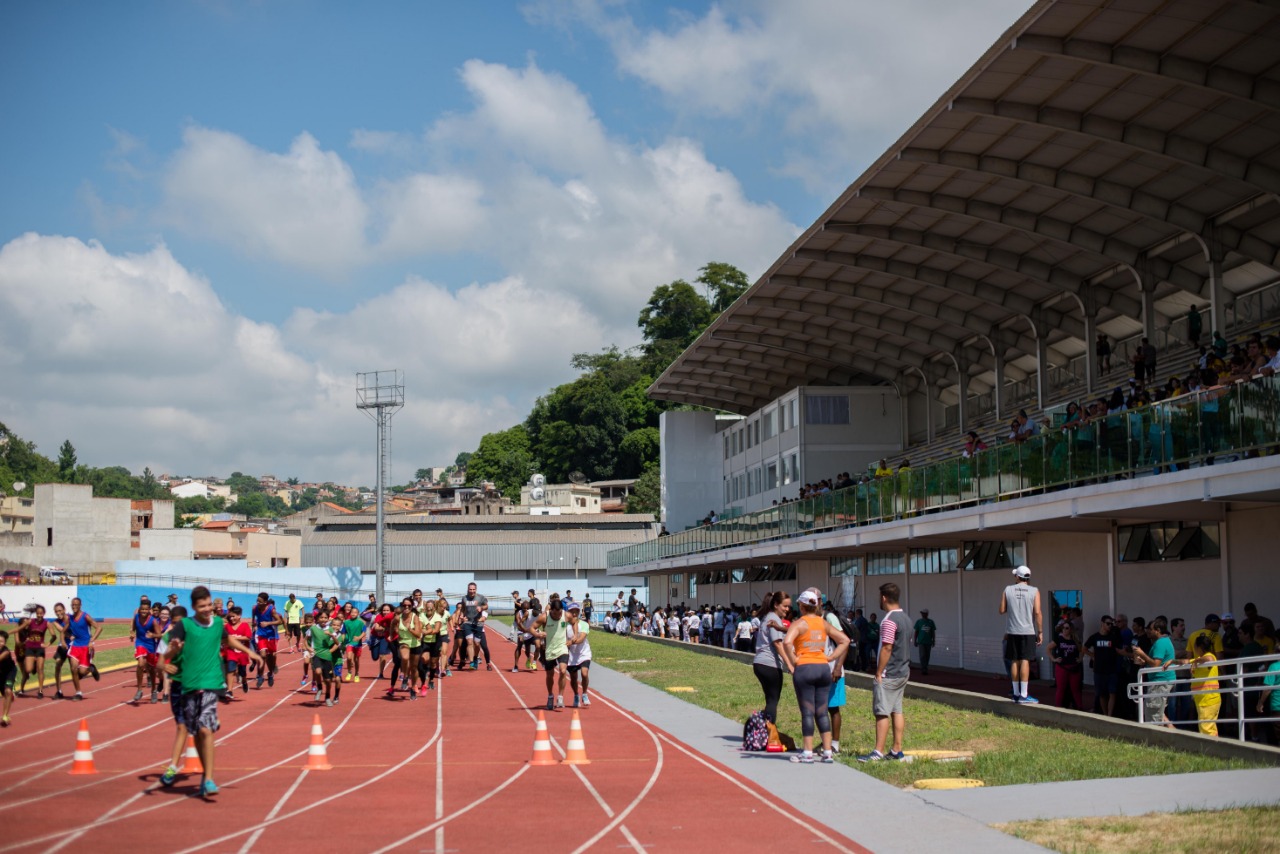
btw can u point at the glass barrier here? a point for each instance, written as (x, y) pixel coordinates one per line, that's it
(1192, 430)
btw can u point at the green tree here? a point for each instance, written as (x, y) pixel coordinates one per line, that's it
(639, 450)
(460, 462)
(242, 484)
(646, 493)
(67, 462)
(724, 283)
(503, 458)
(674, 316)
(422, 474)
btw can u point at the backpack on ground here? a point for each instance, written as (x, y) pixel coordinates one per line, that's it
(755, 733)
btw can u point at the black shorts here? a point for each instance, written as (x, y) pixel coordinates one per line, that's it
(550, 664)
(1020, 647)
(430, 648)
(60, 653)
(582, 665)
(323, 666)
(295, 630)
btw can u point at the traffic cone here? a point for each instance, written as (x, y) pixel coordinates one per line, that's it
(82, 760)
(542, 744)
(317, 758)
(191, 763)
(576, 754)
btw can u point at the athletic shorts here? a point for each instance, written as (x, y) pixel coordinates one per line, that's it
(295, 630)
(323, 666)
(143, 654)
(836, 699)
(528, 643)
(268, 645)
(200, 710)
(581, 665)
(378, 647)
(1020, 647)
(1105, 683)
(886, 696)
(80, 654)
(354, 649)
(431, 648)
(550, 663)
(8, 675)
(60, 653)
(235, 666)
(175, 702)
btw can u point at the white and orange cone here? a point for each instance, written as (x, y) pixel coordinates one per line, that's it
(82, 760)
(317, 757)
(576, 754)
(191, 763)
(542, 744)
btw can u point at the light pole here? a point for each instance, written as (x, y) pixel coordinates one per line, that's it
(550, 564)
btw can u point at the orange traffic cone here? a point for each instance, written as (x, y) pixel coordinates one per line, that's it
(576, 754)
(191, 763)
(82, 760)
(542, 744)
(317, 758)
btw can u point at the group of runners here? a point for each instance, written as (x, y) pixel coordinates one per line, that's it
(71, 635)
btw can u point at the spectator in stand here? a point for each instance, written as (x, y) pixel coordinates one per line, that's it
(923, 635)
(1068, 670)
(1231, 642)
(972, 445)
(883, 470)
(1102, 349)
(1272, 352)
(1195, 326)
(1219, 345)
(770, 661)
(1102, 647)
(1160, 684)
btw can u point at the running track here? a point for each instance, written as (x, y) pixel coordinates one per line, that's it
(447, 772)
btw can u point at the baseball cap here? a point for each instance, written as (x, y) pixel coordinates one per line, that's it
(808, 597)
(924, 610)
(573, 606)
(1023, 571)
(1212, 618)
(1228, 616)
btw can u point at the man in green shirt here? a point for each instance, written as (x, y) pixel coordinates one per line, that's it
(1159, 683)
(923, 636)
(197, 642)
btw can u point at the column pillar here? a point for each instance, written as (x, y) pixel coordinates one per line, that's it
(962, 383)
(1218, 294)
(1043, 391)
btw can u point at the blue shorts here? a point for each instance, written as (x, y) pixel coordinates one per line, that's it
(1105, 683)
(836, 699)
(378, 647)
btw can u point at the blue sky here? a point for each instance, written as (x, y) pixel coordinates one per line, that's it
(216, 213)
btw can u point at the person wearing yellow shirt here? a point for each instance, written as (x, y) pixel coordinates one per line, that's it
(883, 470)
(1204, 677)
(293, 620)
(1212, 630)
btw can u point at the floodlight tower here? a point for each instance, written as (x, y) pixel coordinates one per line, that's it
(380, 394)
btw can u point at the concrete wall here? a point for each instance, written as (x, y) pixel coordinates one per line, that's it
(88, 534)
(1251, 548)
(18, 596)
(691, 468)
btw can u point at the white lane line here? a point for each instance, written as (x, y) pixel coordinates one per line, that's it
(98, 823)
(440, 795)
(253, 837)
(453, 815)
(42, 704)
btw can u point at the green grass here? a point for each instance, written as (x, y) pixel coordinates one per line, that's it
(1007, 751)
(1251, 829)
(104, 659)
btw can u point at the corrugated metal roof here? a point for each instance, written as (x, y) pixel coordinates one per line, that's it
(564, 522)
(478, 538)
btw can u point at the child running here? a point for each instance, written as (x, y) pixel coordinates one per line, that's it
(198, 643)
(579, 655)
(354, 628)
(8, 674)
(60, 626)
(176, 614)
(237, 662)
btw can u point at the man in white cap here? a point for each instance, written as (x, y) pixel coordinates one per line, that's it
(1020, 604)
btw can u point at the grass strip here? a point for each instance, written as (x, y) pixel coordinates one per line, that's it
(106, 659)
(1007, 752)
(1245, 830)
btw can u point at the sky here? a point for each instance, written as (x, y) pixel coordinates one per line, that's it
(214, 214)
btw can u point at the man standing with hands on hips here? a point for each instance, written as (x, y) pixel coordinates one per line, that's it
(1020, 604)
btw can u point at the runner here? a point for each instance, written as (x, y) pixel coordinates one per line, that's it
(265, 621)
(579, 655)
(163, 622)
(552, 628)
(379, 638)
(457, 620)
(198, 643)
(477, 612)
(59, 626)
(523, 638)
(356, 631)
(446, 640)
(145, 638)
(293, 619)
(33, 629)
(433, 626)
(325, 647)
(176, 613)
(85, 631)
(307, 622)
(237, 662)
(409, 632)
(8, 673)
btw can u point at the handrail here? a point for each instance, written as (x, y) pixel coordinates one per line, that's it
(1193, 429)
(1244, 683)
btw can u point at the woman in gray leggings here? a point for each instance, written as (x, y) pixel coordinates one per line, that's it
(811, 645)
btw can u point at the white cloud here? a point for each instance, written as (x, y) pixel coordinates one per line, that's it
(136, 360)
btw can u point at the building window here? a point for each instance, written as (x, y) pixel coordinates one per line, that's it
(928, 561)
(739, 576)
(793, 419)
(886, 563)
(726, 445)
(771, 476)
(846, 566)
(1168, 541)
(826, 409)
(994, 555)
(769, 422)
(693, 586)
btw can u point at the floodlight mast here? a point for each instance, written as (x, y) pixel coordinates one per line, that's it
(380, 394)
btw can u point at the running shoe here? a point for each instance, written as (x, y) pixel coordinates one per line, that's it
(448, 672)
(828, 758)
(475, 665)
(4, 721)
(896, 755)
(413, 695)
(346, 677)
(79, 696)
(586, 701)
(93, 671)
(488, 666)
(303, 683)
(1032, 701)
(560, 701)
(271, 679)
(431, 686)
(329, 702)
(337, 700)
(551, 704)
(208, 789)
(391, 692)
(873, 756)
(355, 678)
(260, 680)
(58, 696)
(805, 758)
(515, 670)
(40, 694)
(169, 777)
(533, 666)
(422, 692)
(155, 697)
(244, 687)
(404, 683)
(137, 697)
(575, 701)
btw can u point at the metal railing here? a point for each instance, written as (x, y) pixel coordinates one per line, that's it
(1191, 430)
(1233, 681)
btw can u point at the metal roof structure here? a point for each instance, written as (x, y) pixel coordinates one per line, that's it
(1102, 166)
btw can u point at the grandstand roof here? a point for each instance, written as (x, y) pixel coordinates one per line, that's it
(1092, 161)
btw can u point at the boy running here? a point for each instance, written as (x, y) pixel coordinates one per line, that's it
(199, 641)
(84, 631)
(8, 674)
(324, 646)
(237, 662)
(60, 625)
(579, 655)
(355, 630)
(145, 636)
(266, 619)
(176, 614)
(307, 622)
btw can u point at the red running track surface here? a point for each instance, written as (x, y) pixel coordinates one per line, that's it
(446, 772)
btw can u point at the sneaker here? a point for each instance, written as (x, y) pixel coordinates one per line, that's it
(260, 680)
(1029, 700)
(93, 671)
(413, 695)
(271, 679)
(337, 700)
(431, 686)
(560, 702)
(4, 721)
(575, 701)
(208, 789)
(57, 695)
(533, 666)
(391, 692)
(79, 696)
(169, 777)
(329, 702)
(873, 756)
(346, 678)
(422, 692)
(1015, 698)
(803, 758)
(137, 697)
(355, 678)
(488, 666)
(475, 665)
(586, 701)
(897, 756)
(828, 758)
(303, 683)
(155, 697)
(551, 704)
(404, 683)
(244, 687)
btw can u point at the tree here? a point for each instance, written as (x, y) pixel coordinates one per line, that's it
(503, 458)
(724, 283)
(67, 462)
(646, 493)
(675, 315)
(242, 484)
(422, 474)
(461, 460)
(638, 451)
(293, 481)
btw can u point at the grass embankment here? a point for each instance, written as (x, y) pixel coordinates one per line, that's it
(119, 653)
(1253, 829)
(1006, 751)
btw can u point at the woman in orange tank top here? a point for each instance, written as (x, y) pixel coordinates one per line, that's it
(806, 649)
